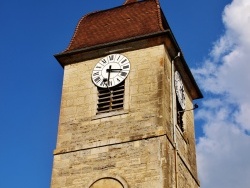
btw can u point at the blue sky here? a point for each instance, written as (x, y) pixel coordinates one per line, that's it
(214, 36)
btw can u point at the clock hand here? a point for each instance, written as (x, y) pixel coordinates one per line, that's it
(115, 70)
(108, 70)
(105, 81)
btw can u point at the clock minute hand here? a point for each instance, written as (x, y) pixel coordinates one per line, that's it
(114, 70)
(108, 70)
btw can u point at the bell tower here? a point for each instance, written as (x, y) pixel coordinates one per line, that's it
(126, 118)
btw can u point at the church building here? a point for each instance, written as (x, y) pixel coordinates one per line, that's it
(126, 116)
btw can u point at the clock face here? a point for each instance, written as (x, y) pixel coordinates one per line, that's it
(111, 71)
(179, 89)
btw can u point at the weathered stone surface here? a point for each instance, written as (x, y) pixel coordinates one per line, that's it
(134, 147)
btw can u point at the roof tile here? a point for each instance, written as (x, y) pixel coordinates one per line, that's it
(123, 22)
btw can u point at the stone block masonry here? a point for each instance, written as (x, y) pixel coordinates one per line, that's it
(130, 148)
(140, 164)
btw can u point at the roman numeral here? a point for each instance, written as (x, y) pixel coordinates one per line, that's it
(97, 79)
(102, 83)
(104, 61)
(126, 67)
(111, 57)
(124, 61)
(96, 73)
(123, 74)
(118, 58)
(118, 79)
(110, 83)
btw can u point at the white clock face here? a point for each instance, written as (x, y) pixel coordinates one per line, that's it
(179, 89)
(111, 71)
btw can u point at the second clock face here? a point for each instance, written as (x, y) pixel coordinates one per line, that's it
(179, 89)
(111, 71)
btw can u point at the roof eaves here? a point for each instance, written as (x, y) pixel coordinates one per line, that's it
(167, 32)
(185, 66)
(71, 52)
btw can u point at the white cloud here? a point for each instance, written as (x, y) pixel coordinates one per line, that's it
(223, 152)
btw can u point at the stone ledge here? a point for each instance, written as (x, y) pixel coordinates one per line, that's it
(109, 114)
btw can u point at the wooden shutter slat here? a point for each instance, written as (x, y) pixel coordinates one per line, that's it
(111, 99)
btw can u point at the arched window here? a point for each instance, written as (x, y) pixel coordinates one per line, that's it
(107, 183)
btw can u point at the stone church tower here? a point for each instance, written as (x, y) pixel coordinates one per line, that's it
(126, 118)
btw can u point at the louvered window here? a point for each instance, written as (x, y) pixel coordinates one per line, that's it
(110, 99)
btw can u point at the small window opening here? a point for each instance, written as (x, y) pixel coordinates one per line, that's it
(110, 99)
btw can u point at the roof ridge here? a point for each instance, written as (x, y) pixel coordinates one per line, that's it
(129, 1)
(159, 15)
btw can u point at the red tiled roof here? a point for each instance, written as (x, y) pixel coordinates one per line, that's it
(134, 18)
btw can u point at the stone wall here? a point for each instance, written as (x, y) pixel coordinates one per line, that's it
(186, 139)
(140, 164)
(130, 148)
(79, 125)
